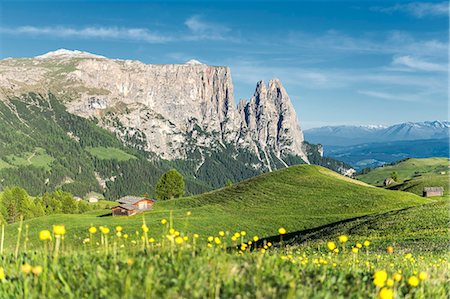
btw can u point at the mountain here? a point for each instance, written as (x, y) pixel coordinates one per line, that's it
(66, 107)
(351, 135)
(379, 153)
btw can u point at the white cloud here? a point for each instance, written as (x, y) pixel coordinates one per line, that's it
(418, 64)
(393, 96)
(134, 34)
(418, 9)
(204, 30)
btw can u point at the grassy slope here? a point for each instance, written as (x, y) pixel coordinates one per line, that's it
(414, 175)
(422, 227)
(406, 170)
(296, 198)
(109, 153)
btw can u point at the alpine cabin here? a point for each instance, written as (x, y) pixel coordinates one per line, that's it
(130, 205)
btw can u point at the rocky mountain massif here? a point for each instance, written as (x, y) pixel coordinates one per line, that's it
(183, 114)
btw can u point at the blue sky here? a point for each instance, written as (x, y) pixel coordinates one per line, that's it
(342, 62)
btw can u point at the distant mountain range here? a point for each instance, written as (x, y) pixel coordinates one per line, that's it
(372, 146)
(352, 135)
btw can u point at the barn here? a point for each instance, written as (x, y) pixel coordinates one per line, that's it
(130, 205)
(433, 191)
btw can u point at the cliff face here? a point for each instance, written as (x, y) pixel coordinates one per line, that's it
(172, 110)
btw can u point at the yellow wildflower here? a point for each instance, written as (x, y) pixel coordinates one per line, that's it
(269, 244)
(366, 243)
(2, 273)
(36, 270)
(380, 278)
(45, 235)
(413, 281)
(221, 233)
(255, 238)
(336, 250)
(151, 240)
(25, 268)
(355, 249)
(389, 282)
(243, 233)
(178, 240)
(386, 293)
(281, 230)
(119, 234)
(210, 238)
(343, 238)
(172, 231)
(125, 236)
(104, 230)
(59, 230)
(196, 236)
(390, 249)
(163, 221)
(189, 213)
(397, 277)
(144, 228)
(358, 245)
(119, 228)
(92, 230)
(331, 246)
(233, 238)
(423, 275)
(217, 241)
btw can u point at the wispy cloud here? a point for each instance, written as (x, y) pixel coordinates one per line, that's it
(204, 30)
(392, 96)
(196, 29)
(417, 9)
(134, 34)
(418, 64)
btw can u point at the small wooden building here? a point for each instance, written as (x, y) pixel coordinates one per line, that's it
(433, 191)
(130, 205)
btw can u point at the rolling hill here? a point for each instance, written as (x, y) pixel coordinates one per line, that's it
(299, 197)
(413, 174)
(422, 228)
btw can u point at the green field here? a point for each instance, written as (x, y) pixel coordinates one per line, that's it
(421, 228)
(297, 198)
(109, 153)
(38, 158)
(407, 170)
(158, 259)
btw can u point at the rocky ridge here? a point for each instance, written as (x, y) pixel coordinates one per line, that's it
(173, 110)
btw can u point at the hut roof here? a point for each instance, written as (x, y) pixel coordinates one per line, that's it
(433, 189)
(132, 199)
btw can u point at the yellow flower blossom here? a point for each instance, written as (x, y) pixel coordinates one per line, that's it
(45, 235)
(125, 236)
(413, 281)
(355, 249)
(390, 249)
(59, 230)
(423, 275)
(255, 238)
(119, 228)
(343, 238)
(179, 240)
(366, 243)
(196, 236)
(210, 238)
(331, 246)
(390, 282)
(37, 270)
(217, 240)
(151, 240)
(359, 245)
(188, 213)
(281, 230)
(163, 221)
(144, 228)
(25, 268)
(104, 230)
(243, 233)
(221, 233)
(92, 230)
(2, 273)
(380, 278)
(397, 277)
(386, 293)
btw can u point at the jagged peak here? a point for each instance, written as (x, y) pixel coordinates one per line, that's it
(64, 53)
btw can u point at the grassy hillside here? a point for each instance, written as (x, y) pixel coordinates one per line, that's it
(423, 228)
(296, 198)
(413, 175)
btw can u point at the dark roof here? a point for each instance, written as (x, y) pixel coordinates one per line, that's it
(132, 199)
(433, 189)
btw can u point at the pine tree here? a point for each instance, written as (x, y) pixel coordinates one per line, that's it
(170, 185)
